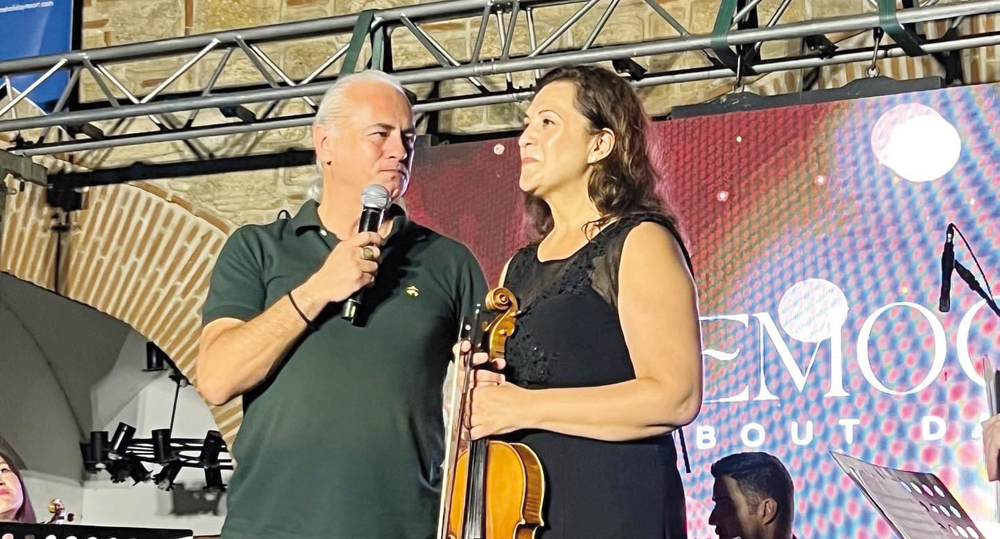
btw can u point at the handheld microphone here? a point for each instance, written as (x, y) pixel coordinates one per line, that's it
(947, 267)
(375, 200)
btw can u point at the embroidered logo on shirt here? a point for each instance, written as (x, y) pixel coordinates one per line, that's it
(412, 291)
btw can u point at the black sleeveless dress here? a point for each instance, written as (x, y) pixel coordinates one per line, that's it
(569, 335)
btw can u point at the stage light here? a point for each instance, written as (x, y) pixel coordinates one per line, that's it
(95, 452)
(156, 359)
(128, 467)
(119, 443)
(168, 474)
(139, 473)
(213, 484)
(722, 196)
(916, 142)
(119, 471)
(213, 445)
(162, 452)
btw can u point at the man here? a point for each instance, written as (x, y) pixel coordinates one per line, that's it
(342, 433)
(754, 498)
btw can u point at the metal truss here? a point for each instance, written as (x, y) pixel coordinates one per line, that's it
(732, 49)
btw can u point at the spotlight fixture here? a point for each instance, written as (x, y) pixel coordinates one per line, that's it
(125, 457)
(168, 474)
(156, 359)
(119, 471)
(128, 467)
(138, 472)
(162, 452)
(214, 486)
(213, 445)
(95, 452)
(119, 443)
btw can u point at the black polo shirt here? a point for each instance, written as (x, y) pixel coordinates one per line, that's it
(345, 439)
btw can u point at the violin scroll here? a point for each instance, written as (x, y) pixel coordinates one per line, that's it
(501, 328)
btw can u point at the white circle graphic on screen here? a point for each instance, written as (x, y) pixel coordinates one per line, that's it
(811, 310)
(916, 142)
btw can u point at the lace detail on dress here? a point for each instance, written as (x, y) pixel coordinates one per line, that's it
(593, 267)
(527, 364)
(607, 261)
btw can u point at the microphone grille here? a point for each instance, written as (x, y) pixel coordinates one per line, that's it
(375, 196)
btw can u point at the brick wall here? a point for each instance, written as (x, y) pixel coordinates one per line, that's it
(135, 253)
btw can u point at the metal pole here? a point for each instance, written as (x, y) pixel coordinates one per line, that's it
(504, 44)
(180, 71)
(211, 83)
(329, 62)
(742, 14)
(565, 26)
(436, 50)
(483, 23)
(665, 15)
(70, 88)
(509, 38)
(100, 82)
(600, 24)
(15, 100)
(774, 20)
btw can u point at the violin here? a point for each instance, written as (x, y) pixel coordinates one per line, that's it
(491, 489)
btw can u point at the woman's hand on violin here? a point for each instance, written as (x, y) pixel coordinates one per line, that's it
(488, 376)
(495, 409)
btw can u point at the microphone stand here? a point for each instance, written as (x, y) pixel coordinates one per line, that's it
(973, 283)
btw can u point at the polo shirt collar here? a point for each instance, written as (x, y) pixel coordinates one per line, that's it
(308, 218)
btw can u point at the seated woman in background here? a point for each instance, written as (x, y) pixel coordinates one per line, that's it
(14, 503)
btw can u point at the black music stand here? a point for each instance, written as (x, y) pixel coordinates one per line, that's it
(916, 505)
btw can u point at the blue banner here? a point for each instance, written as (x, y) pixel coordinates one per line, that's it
(33, 28)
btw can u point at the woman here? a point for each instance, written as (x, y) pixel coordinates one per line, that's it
(605, 361)
(14, 503)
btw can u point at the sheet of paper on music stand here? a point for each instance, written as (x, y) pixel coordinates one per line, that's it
(916, 505)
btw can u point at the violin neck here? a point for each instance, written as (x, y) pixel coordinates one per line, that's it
(475, 503)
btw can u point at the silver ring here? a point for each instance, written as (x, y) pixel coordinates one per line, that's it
(367, 253)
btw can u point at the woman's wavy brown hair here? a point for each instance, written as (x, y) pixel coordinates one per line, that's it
(625, 181)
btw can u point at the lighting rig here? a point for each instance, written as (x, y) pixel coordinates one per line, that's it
(125, 457)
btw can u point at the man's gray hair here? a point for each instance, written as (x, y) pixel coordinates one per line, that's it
(334, 107)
